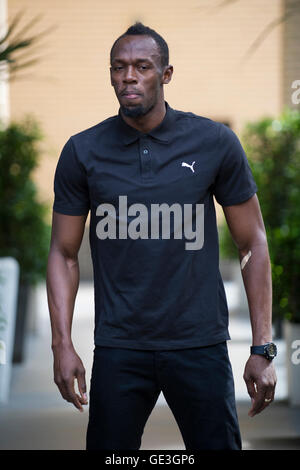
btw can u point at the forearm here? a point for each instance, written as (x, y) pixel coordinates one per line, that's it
(248, 232)
(258, 286)
(62, 286)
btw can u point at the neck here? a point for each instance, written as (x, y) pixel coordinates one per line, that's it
(150, 120)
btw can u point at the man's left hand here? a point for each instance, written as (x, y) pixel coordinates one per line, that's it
(260, 378)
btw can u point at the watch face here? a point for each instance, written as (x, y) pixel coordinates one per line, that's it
(271, 350)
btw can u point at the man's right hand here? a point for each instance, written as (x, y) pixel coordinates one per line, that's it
(67, 367)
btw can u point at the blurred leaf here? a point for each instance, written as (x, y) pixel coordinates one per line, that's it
(13, 42)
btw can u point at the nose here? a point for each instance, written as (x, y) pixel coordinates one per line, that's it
(130, 75)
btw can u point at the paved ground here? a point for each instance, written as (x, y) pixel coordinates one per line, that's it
(37, 418)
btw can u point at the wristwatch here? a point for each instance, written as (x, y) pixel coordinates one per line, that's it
(269, 350)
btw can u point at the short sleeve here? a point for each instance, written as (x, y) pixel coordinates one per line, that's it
(71, 195)
(234, 182)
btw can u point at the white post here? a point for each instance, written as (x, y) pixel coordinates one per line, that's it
(9, 283)
(4, 83)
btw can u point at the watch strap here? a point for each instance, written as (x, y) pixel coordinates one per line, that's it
(258, 349)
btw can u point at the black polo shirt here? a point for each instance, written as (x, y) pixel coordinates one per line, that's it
(155, 286)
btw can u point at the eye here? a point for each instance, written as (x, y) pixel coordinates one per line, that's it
(143, 67)
(116, 68)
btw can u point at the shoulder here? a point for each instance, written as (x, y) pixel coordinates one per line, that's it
(93, 138)
(94, 132)
(203, 125)
(220, 130)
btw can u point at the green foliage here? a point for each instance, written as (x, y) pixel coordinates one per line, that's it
(273, 150)
(24, 232)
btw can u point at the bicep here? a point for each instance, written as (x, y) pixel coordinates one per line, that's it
(245, 223)
(67, 233)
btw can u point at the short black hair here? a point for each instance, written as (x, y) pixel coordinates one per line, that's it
(138, 29)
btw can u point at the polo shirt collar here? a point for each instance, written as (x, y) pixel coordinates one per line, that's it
(162, 132)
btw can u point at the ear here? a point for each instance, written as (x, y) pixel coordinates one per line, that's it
(167, 74)
(110, 72)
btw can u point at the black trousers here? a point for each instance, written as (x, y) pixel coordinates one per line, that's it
(197, 384)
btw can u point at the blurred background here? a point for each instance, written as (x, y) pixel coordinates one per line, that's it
(234, 61)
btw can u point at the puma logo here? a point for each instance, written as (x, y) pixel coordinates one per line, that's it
(190, 166)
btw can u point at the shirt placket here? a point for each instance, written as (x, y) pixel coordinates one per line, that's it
(145, 158)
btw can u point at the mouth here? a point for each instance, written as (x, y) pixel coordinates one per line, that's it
(130, 95)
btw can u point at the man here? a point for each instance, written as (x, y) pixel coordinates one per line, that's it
(148, 177)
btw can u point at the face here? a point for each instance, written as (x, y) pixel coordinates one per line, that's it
(137, 74)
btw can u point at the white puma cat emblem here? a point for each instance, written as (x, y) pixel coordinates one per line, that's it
(190, 166)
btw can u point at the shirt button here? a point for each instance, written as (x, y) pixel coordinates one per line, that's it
(145, 151)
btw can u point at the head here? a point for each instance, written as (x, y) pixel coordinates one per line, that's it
(140, 67)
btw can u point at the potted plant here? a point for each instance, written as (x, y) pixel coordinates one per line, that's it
(25, 233)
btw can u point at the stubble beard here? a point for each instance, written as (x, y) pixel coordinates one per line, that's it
(137, 111)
